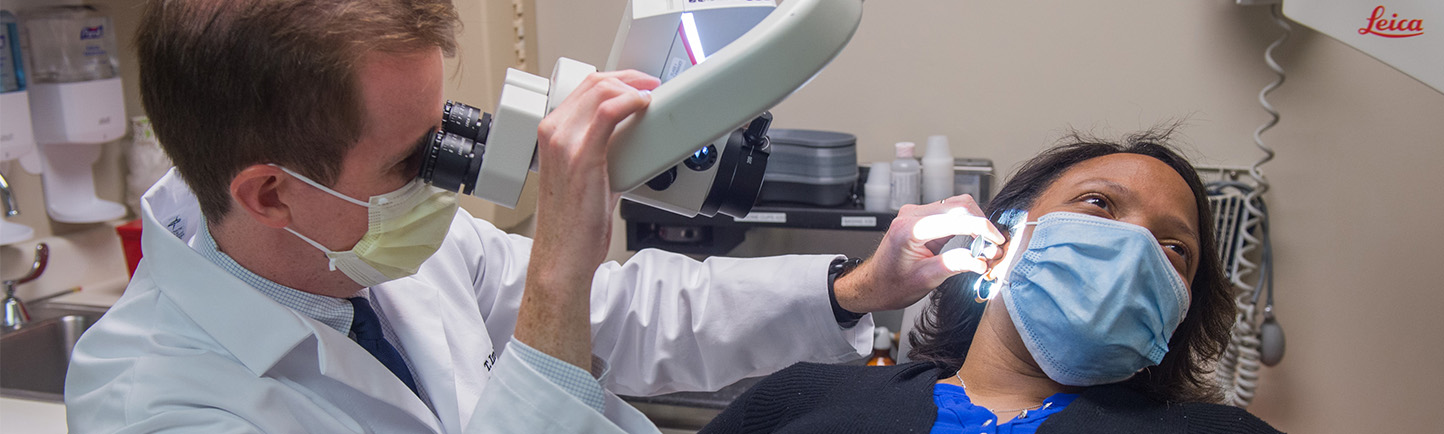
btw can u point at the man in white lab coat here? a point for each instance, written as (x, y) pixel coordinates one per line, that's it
(298, 279)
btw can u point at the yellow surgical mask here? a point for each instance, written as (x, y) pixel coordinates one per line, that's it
(406, 227)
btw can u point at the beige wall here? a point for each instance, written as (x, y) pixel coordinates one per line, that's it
(1355, 184)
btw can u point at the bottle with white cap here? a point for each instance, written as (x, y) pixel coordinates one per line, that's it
(148, 163)
(906, 177)
(877, 191)
(937, 170)
(881, 347)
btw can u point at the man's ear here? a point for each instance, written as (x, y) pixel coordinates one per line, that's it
(257, 191)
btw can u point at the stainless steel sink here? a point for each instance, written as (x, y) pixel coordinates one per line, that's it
(34, 356)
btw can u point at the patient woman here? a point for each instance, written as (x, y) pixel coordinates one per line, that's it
(1107, 323)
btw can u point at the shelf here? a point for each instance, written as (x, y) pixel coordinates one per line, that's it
(649, 227)
(847, 217)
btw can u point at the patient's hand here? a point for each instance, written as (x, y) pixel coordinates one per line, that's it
(907, 265)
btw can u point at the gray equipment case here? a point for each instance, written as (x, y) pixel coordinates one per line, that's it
(810, 167)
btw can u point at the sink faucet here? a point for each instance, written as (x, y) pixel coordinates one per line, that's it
(15, 313)
(8, 197)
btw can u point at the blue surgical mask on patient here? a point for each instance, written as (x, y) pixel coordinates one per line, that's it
(1095, 300)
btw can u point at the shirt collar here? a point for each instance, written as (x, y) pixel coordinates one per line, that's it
(335, 312)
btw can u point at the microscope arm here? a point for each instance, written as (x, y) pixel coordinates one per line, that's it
(749, 76)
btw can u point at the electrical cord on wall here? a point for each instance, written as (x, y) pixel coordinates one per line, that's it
(1253, 343)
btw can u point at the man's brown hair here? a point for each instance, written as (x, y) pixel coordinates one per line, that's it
(233, 83)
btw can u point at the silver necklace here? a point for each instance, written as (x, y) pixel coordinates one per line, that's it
(1023, 411)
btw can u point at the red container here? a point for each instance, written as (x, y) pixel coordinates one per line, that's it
(130, 243)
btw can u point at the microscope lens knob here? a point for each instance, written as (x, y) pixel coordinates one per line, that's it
(663, 180)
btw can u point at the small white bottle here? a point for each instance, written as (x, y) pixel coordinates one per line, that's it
(937, 170)
(877, 191)
(906, 177)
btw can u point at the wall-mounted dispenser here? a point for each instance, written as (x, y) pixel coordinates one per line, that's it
(16, 138)
(76, 105)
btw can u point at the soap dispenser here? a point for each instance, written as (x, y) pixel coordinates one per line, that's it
(16, 137)
(76, 104)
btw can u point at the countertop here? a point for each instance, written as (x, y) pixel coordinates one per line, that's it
(31, 417)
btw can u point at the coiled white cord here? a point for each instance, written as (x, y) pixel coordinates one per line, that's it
(1238, 370)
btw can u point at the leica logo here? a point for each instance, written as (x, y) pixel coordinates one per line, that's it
(1391, 27)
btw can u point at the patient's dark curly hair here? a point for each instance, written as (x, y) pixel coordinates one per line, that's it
(945, 330)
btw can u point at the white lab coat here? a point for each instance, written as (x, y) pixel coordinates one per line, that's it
(191, 348)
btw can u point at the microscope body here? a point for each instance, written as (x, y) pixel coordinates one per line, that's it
(700, 147)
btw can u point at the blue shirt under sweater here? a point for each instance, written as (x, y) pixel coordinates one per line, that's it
(957, 414)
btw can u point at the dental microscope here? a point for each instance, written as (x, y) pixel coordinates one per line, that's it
(701, 147)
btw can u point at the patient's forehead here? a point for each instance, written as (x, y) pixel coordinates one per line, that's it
(1152, 182)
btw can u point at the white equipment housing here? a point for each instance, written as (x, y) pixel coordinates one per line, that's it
(1404, 34)
(696, 105)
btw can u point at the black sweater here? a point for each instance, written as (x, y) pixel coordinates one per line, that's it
(814, 398)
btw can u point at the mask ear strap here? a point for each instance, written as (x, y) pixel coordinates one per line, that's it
(319, 186)
(318, 246)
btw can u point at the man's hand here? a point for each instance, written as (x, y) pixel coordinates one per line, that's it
(907, 265)
(574, 212)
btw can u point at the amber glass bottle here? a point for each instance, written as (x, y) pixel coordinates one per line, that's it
(881, 348)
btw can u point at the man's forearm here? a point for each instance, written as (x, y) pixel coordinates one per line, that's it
(554, 317)
(574, 212)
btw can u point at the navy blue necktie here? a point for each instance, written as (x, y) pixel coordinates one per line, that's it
(367, 328)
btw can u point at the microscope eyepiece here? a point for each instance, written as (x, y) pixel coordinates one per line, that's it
(453, 157)
(466, 121)
(452, 162)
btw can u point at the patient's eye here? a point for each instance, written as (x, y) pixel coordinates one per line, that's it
(1180, 249)
(1178, 255)
(1097, 200)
